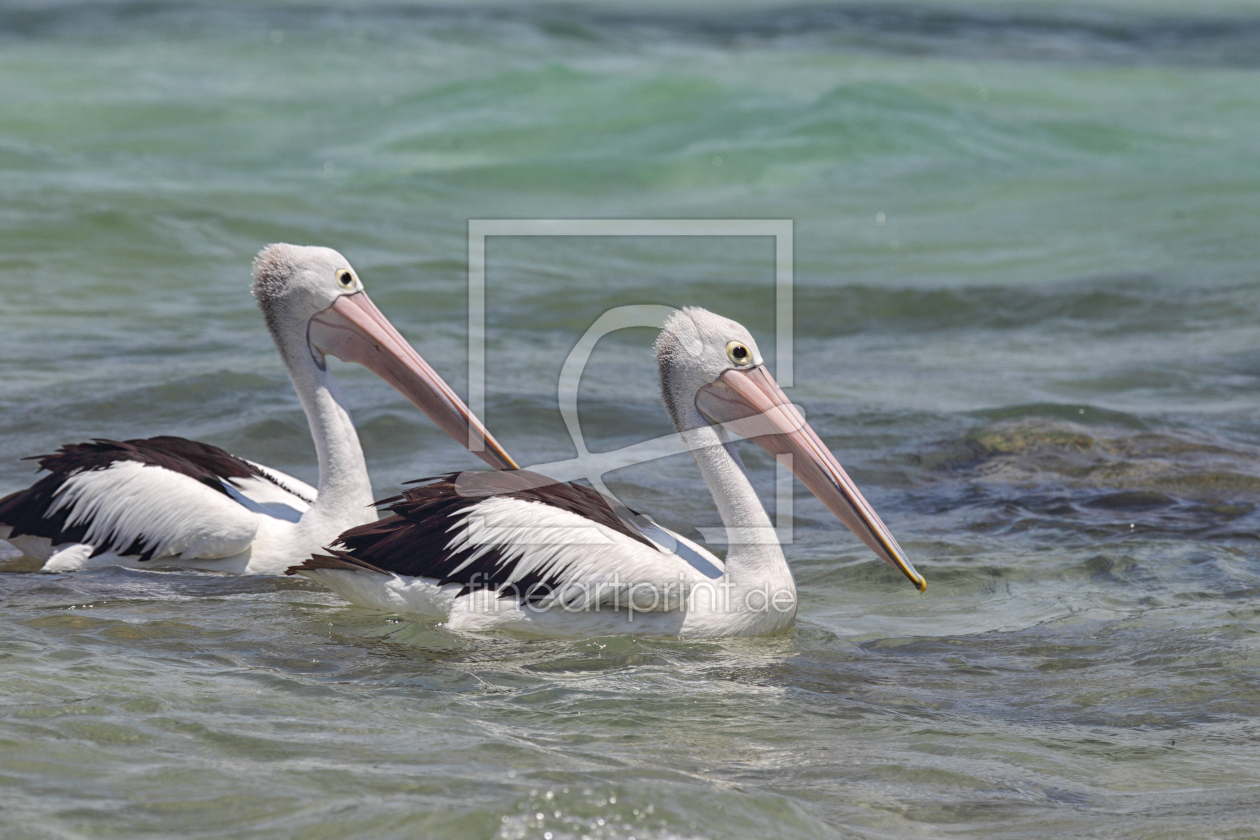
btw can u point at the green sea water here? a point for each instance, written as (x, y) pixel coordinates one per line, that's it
(1026, 295)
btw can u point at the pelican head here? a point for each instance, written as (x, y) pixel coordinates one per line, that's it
(712, 374)
(315, 304)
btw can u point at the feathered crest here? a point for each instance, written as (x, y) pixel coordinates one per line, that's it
(273, 267)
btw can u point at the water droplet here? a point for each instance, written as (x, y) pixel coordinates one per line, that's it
(328, 166)
(277, 36)
(880, 218)
(717, 160)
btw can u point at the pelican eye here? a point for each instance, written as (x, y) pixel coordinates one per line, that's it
(345, 279)
(738, 352)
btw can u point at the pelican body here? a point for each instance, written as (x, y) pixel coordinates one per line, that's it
(168, 501)
(520, 552)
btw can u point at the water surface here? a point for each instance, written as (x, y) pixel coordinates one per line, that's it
(1026, 296)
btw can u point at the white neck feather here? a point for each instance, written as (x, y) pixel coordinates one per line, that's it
(345, 491)
(755, 559)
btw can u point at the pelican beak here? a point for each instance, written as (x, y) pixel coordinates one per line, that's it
(751, 404)
(354, 330)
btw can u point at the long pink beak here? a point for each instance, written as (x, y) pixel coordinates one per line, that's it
(354, 330)
(751, 404)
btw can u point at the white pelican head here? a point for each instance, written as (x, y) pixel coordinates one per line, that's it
(314, 302)
(712, 374)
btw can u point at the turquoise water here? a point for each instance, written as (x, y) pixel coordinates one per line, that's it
(1026, 298)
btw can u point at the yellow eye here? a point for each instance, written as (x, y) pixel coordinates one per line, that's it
(345, 279)
(738, 352)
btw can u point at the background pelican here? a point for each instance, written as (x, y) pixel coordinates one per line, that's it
(519, 552)
(167, 501)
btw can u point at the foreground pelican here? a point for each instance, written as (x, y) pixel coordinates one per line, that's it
(517, 551)
(167, 501)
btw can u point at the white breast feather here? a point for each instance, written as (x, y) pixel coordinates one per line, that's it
(177, 515)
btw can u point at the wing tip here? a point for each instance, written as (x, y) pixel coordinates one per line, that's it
(339, 560)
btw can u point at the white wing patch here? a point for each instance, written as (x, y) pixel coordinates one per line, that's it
(171, 514)
(291, 491)
(261, 496)
(589, 563)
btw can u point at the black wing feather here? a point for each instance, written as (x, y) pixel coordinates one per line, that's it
(26, 512)
(414, 540)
